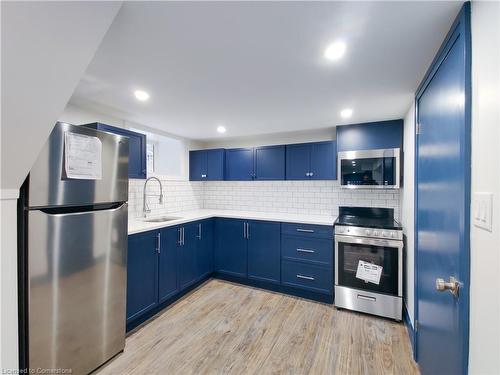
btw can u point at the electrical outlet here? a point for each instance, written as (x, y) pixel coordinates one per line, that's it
(482, 214)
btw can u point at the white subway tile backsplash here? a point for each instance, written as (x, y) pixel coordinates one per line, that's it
(300, 197)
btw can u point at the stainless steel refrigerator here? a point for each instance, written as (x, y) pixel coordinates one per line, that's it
(73, 251)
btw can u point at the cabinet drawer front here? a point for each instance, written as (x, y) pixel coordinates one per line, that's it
(307, 249)
(307, 276)
(308, 230)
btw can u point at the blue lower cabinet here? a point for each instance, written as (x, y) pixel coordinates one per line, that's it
(307, 276)
(205, 248)
(264, 251)
(312, 250)
(168, 270)
(142, 274)
(230, 251)
(187, 250)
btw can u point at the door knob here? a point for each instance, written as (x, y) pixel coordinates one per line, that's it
(453, 286)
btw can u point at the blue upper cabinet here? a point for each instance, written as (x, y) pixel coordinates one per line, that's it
(239, 164)
(137, 148)
(269, 163)
(259, 163)
(323, 161)
(370, 136)
(206, 165)
(311, 161)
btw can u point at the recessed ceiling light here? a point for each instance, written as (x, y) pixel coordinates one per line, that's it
(346, 113)
(335, 51)
(221, 129)
(141, 95)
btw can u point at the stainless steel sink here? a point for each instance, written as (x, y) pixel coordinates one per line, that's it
(160, 219)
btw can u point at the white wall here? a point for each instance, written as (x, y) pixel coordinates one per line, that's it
(407, 209)
(313, 135)
(484, 353)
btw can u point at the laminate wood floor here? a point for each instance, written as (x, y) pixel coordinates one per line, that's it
(225, 328)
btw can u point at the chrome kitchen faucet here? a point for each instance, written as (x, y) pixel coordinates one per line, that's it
(145, 207)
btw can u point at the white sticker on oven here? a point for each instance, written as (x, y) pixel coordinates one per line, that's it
(369, 272)
(83, 156)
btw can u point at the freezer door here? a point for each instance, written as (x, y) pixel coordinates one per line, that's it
(77, 288)
(49, 185)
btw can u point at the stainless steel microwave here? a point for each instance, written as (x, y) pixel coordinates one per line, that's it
(370, 169)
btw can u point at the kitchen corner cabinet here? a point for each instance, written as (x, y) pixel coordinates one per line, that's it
(206, 165)
(311, 161)
(258, 163)
(137, 148)
(142, 274)
(248, 249)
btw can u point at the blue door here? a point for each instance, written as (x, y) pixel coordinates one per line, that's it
(230, 247)
(323, 161)
(197, 165)
(188, 264)
(205, 248)
(270, 163)
(442, 205)
(298, 161)
(167, 268)
(239, 164)
(215, 165)
(264, 251)
(142, 274)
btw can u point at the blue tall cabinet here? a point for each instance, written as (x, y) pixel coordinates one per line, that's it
(137, 148)
(311, 161)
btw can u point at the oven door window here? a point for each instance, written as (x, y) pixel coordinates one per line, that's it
(369, 171)
(349, 256)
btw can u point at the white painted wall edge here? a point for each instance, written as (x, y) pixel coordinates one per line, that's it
(6, 194)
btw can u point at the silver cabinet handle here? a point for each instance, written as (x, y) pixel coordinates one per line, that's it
(307, 174)
(248, 232)
(305, 277)
(158, 243)
(203, 176)
(311, 174)
(182, 236)
(367, 298)
(199, 231)
(244, 230)
(305, 230)
(305, 251)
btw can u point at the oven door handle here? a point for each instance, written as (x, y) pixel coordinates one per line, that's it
(369, 241)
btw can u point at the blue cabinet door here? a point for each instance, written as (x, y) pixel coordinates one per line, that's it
(239, 164)
(298, 161)
(188, 263)
(197, 165)
(205, 248)
(230, 247)
(370, 136)
(142, 274)
(264, 251)
(137, 148)
(167, 268)
(215, 164)
(270, 163)
(323, 161)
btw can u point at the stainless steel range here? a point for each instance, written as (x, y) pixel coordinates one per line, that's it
(369, 261)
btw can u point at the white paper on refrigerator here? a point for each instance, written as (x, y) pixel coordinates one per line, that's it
(369, 272)
(83, 156)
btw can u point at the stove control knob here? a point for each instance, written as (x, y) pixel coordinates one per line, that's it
(376, 233)
(385, 234)
(368, 232)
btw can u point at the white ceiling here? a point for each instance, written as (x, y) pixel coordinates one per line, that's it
(258, 67)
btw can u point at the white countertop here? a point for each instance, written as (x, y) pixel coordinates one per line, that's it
(138, 225)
